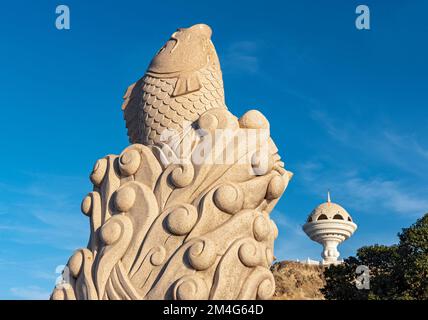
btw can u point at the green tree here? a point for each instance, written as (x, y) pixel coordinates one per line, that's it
(413, 260)
(396, 272)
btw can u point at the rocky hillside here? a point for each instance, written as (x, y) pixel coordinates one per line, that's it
(298, 281)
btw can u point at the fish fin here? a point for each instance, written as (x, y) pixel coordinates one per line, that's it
(127, 95)
(132, 110)
(187, 83)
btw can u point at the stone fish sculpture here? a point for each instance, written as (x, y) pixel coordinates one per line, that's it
(182, 82)
(175, 222)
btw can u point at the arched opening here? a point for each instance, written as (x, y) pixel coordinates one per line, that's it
(322, 217)
(310, 219)
(349, 219)
(338, 217)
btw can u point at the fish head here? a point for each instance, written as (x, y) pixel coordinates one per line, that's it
(187, 50)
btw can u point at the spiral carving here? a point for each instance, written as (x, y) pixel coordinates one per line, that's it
(99, 171)
(202, 254)
(157, 255)
(254, 119)
(75, 263)
(87, 205)
(111, 231)
(261, 228)
(182, 175)
(249, 253)
(125, 199)
(190, 288)
(259, 285)
(261, 163)
(266, 289)
(164, 229)
(229, 198)
(217, 119)
(275, 188)
(208, 122)
(182, 219)
(129, 162)
(116, 235)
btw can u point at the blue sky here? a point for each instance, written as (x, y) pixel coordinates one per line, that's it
(348, 111)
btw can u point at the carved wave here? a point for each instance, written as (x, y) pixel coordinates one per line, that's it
(191, 230)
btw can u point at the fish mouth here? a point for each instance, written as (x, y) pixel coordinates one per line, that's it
(202, 29)
(198, 29)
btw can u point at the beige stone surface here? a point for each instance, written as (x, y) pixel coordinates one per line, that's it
(186, 217)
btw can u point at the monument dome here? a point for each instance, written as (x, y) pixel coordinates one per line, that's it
(329, 224)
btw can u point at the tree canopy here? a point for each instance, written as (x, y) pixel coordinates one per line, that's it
(396, 272)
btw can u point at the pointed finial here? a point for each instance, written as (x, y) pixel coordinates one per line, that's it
(328, 196)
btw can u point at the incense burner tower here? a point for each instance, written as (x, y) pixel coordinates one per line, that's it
(329, 224)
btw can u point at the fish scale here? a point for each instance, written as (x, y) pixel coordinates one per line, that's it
(185, 108)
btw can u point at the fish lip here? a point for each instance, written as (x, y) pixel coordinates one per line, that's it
(168, 75)
(173, 36)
